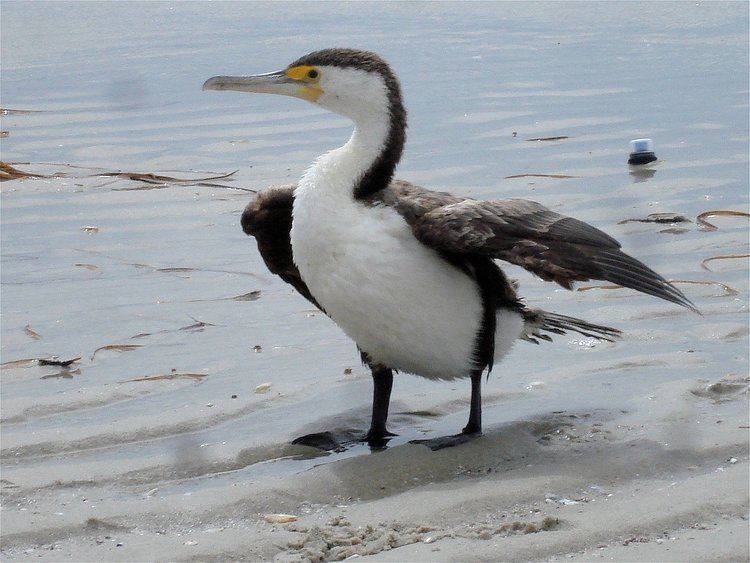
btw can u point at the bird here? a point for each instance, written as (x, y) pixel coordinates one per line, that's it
(410, 274)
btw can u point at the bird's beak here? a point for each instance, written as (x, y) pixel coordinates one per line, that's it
(271, 83)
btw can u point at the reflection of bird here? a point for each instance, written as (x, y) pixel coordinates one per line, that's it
(406, 272)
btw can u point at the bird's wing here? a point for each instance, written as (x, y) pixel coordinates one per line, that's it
(525, 233)
(268, 218)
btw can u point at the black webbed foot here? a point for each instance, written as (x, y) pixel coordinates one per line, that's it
(321, 440)
(447, 441)
(377, 439)
(342, 440)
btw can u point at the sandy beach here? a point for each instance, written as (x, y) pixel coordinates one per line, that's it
(192, 368)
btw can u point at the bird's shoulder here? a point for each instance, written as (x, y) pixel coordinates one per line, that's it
(412, 202)
(269, 207)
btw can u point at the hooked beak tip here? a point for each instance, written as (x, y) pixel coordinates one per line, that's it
(211, 84)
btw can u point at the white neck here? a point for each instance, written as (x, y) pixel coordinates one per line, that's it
(370, 134)
(341, 169)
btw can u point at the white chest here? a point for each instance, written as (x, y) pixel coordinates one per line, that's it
(397, 299)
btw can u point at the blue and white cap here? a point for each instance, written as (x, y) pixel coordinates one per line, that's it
(641, 145)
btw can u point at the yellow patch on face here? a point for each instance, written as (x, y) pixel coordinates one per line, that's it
(309, 89)
(310, 93)
(298, 72)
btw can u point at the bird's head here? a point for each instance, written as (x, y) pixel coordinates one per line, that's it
(352, 83)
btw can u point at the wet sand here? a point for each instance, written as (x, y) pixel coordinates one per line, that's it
(165, 441)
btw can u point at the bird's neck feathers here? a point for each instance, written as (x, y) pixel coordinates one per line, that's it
(390, 132)
(367, 162)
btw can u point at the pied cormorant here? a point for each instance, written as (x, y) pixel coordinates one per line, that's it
(408, 273)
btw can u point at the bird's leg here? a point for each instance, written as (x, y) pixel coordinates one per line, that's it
(382, 379)
(474, 425)
(473, 428)
(377, 437)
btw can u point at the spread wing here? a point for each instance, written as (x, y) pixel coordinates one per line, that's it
(552, 246)
(525, 233)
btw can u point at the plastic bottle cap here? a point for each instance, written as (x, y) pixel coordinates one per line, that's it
(641, 145)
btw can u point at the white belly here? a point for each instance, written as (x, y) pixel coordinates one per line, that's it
(402, 304)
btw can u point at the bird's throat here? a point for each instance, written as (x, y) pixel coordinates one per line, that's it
(384, 140)
(367, 162)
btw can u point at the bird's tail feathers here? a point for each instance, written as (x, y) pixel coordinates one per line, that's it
(538, 323)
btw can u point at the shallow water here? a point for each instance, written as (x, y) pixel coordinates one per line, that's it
(117, 87)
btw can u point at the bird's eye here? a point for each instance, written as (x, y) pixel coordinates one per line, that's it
(312, 73)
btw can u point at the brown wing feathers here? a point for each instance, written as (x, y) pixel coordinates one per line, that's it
(269, 219)
(552, 246)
